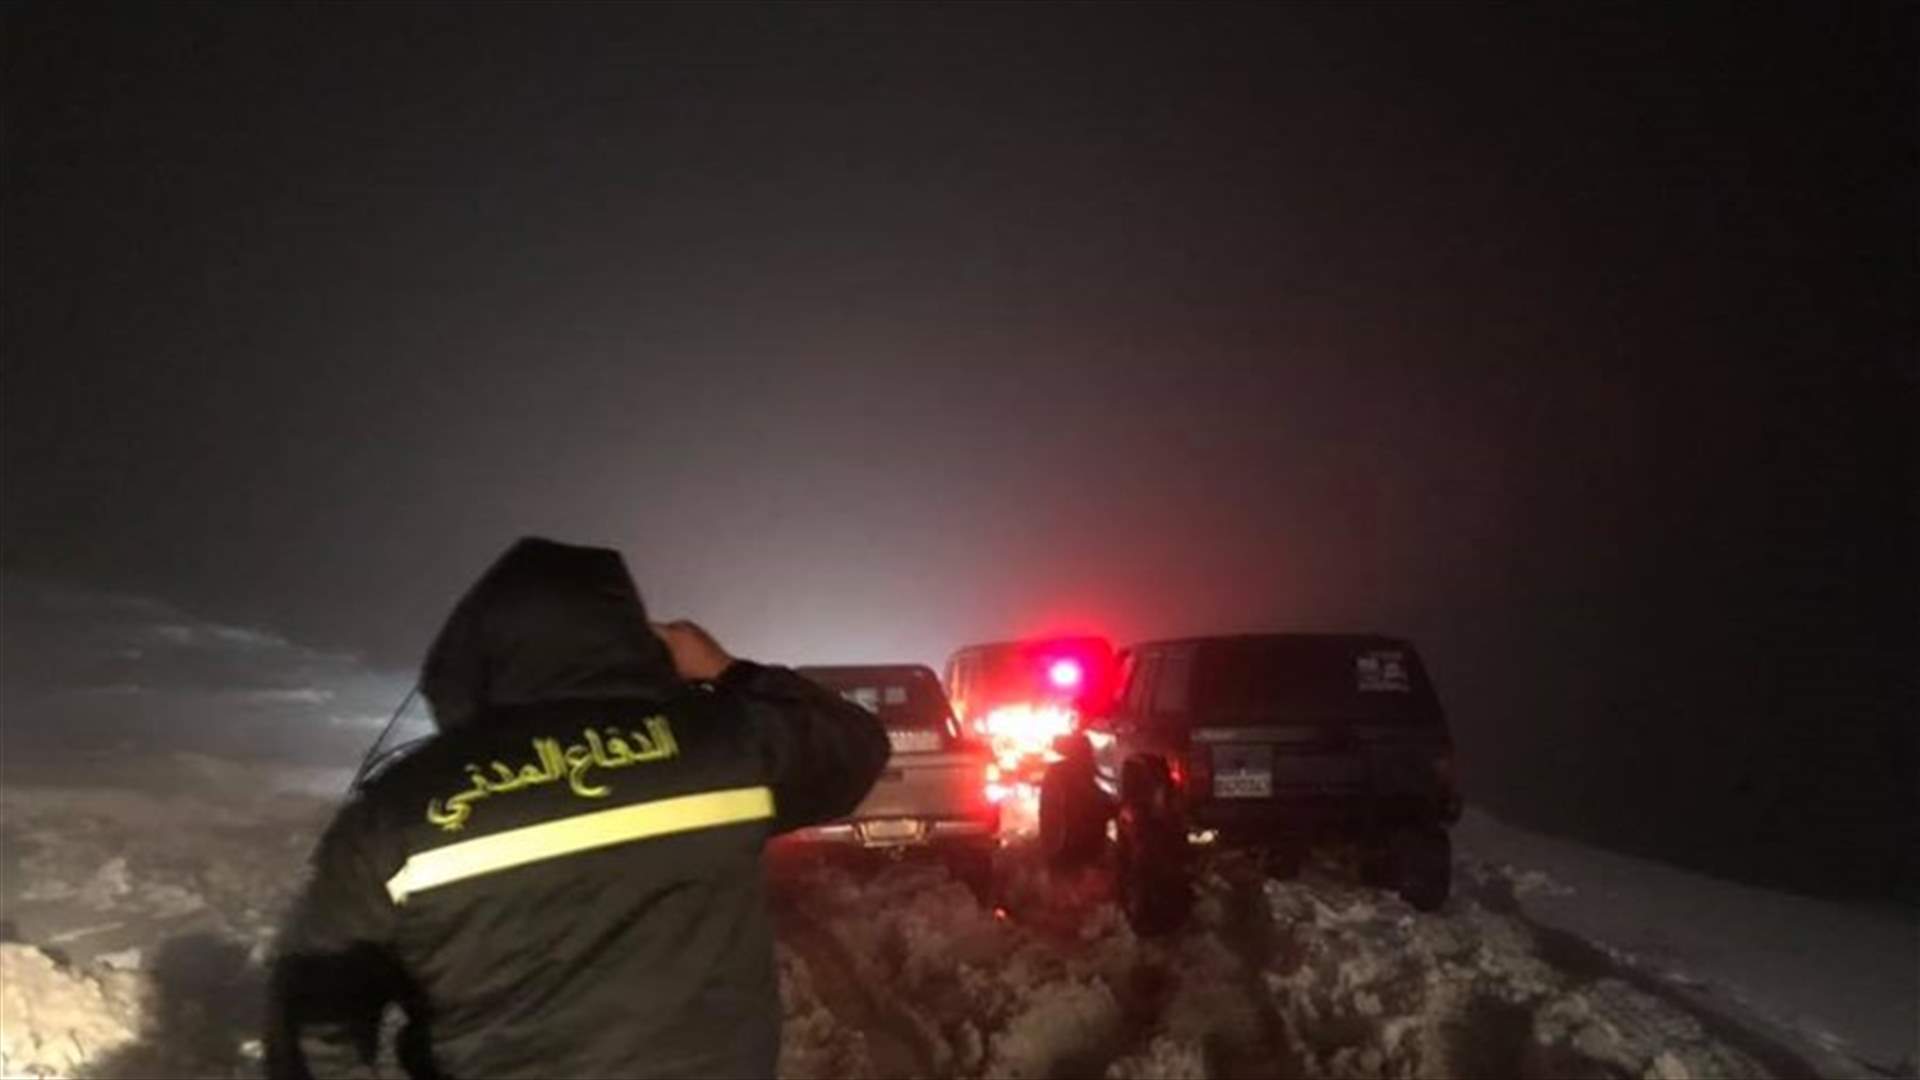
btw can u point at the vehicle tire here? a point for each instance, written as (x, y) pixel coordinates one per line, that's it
(1073, 816)
(1156, 891)
(973, 865)
(1420, 866)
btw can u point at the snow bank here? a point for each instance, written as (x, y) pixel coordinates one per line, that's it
(59, 1022)
(813, 1044)
(151, 916)
(140, 919)
(188, 1010)
(1844, 977)
(98, 870)
(1318, 977)
(1367, 987)
(981, 995)
(1165, 1058)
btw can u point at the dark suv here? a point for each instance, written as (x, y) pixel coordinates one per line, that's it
(1272, 741)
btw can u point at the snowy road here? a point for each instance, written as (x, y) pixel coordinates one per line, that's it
(1312, 978)
(160, 907)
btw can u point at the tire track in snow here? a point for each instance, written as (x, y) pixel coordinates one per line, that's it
(1193, 1000)
(1248, 930)
(1315, 977)
(1588, 964)
(893, 1045)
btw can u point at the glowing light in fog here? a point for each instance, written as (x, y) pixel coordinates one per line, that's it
(1065, 673)
(1019, 731)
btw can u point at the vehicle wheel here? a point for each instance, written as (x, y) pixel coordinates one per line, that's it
(1155, 891)
(1073, 817)
(1420, 865)
(972, 865)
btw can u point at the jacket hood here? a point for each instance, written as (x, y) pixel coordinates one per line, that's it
(547, 622)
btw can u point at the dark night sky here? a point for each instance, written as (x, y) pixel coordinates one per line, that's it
(1577, 345)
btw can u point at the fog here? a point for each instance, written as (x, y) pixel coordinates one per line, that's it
(1576, 349)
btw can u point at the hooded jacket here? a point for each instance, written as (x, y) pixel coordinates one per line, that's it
(565, 881)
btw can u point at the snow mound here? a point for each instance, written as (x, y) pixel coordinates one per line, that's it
(1053, 1024)
(59, 1022)
(1615, 1025)
(813, 1044)
(979, 995)
(1318, 977)
(1058, 985)
(1166, 1058)
(1832, 982)
(105, 871)
(1366, 987)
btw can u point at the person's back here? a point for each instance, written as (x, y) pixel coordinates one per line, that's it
(566, 881)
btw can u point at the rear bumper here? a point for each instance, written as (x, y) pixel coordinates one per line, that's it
(1317, 815)
(899, 832)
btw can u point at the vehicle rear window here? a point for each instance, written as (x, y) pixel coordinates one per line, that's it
(1324, 679)
(1023, 671)
(906, 700)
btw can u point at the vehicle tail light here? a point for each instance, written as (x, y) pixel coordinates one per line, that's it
(1065, 673)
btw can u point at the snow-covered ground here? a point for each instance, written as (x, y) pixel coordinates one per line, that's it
(1316, 977)
(139, 921)
(1844, 977)
(136, 918)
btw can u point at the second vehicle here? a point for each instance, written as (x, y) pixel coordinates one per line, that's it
(933, 795)
(1274, 741)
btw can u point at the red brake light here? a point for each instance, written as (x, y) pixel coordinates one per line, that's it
(1065, 674)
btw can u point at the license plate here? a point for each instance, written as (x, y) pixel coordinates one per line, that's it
(913, 741)
(1242, 772)
(890, 831)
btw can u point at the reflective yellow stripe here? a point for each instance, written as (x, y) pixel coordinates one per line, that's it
(582, 832)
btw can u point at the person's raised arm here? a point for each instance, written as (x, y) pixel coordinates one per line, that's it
(823, 752)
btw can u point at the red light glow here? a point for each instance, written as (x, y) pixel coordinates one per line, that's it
(1065, 674)
(1021, 731)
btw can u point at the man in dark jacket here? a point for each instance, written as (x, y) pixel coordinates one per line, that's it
(566, 880)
